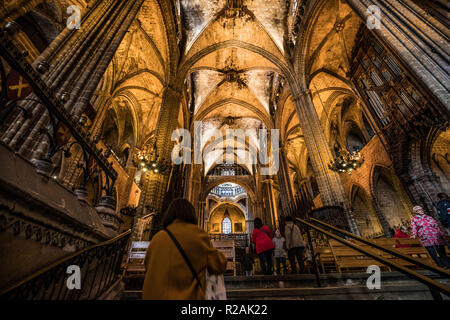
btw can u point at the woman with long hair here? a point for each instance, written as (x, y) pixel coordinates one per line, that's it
(168, 274)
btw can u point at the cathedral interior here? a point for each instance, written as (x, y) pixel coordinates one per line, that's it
(96, 96)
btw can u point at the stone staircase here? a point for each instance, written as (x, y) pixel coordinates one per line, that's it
(346, 286)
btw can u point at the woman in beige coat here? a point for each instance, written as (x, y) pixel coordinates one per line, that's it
(168, 277)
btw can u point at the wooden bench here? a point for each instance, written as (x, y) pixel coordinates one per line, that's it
(326, 260)
(227, 247)
(348, 259)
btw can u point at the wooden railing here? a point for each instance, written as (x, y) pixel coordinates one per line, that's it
(372, 250)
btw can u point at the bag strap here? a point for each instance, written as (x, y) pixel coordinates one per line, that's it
(264, 232)
(290, 236)
(188, 262)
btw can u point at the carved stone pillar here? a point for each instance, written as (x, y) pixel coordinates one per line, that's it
(412, 35)
(155, 184)
(78, 60)
(272, 203)
(329, 183)
(330, 186)
(201, 208)
(286, 189)
(16, 8)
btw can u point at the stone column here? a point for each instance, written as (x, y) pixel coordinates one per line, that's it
(72, 172)
(286, 188)
(330, 186)
(155, 184)
(272, 203)
(78, 60)
(16, 9)
(412, 35)
(201, 207)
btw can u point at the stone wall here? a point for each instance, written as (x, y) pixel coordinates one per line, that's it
(40, 220)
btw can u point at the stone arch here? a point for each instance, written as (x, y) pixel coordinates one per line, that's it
(257, 111)
(110, 128)
(227, 210)
(233, 179)
(390, 196)
(364, 213)
(187, 64)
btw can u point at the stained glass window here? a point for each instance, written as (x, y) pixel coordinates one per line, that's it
(226, 225)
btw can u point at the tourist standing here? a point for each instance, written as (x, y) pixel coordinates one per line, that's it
(247, 262)
(280, 253)
(431, 236)
(262, 238)
(168, 275)
(294, 244)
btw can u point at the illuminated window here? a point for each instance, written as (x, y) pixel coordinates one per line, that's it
(226, 225)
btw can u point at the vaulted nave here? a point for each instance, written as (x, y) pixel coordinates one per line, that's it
(332, 112)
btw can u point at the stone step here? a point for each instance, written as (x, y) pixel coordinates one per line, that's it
(346, 286)
(309, 280)
(387, 292)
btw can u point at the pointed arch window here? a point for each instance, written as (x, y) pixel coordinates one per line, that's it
(226, 225)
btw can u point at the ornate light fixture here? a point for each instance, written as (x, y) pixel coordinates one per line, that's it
(346, 161)
(149, 161)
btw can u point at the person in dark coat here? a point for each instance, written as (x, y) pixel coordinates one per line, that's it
(443, 208)
(247, 262)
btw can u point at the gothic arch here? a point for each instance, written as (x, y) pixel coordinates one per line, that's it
(231, 211)
(364, 213)
(390, 196)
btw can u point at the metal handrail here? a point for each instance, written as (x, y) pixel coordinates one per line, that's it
(424, 265)
(430, 283)
(85, 256)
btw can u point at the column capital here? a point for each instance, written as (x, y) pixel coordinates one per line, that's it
(301, 95)
(171, 90)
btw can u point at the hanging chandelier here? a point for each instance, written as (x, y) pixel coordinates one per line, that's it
(149, 161)
(346, 162)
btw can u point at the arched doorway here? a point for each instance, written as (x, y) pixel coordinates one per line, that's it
(364, 214)
(391, 197)
(227, 219)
